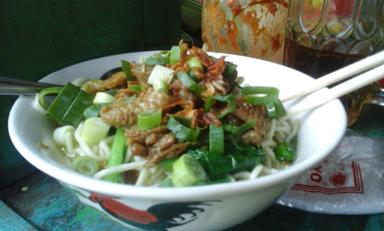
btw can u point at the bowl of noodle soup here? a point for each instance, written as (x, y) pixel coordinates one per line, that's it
(201, 207)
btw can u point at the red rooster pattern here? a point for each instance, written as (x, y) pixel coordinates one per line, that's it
(157, 217)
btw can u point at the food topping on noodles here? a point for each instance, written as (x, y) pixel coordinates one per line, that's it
(178, 118)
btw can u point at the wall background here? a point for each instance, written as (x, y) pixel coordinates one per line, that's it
(38, 37)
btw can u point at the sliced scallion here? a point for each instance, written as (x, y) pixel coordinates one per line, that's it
(134, 87)
(167, 164)
(182, 132)
(47, 91)
(230, 72)
(234, 160)
(284, 152)
(174, 56)
(85, 165)
(161, 58)
(216, 139)
(160, 77)
(126, 67)
(67, 108)
(194, 62)
(187, 172)
(208, 103)
(231, 104)
(149, 119)
(92, 110)
(275, 110)
(243, 128)
(102, 98)
(117, 156)
(260, 95)
(230, 128)
(94, 130)
(74, 113)
(189, 83)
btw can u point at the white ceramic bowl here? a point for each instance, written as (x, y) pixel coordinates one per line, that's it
(209, 207)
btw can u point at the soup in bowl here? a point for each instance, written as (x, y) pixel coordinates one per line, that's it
(188, 200)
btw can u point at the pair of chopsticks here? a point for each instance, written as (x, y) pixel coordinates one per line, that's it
(365, 72)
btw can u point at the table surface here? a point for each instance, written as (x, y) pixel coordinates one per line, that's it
(38, 202)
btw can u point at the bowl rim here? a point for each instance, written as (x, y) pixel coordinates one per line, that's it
(285, 176)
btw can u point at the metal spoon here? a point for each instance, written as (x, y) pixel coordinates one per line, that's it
(10, 86)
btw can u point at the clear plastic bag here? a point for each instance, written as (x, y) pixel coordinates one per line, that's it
(349, 181)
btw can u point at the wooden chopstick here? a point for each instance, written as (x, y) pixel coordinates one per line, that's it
(336, 76)
(313, 100)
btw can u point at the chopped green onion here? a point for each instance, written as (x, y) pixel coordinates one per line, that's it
(174, 56)
(246, 162)
(47, 91)
(126, 67)
(275, 110)
(187, 172)
(280, 110)
(94, 130)
(62, 102)
(85, 165)
(284, 152)
(161, 58)
(160, 77)
(237, 131)
(102, 98)
(149, 119)
(67, 108)
(167, 164)
(92, 111)
(234, 160)
(117, 156)
(243, 128)
(231, 104)
(260, 95)
(208, 103)
(74, 114)
(134, 87)
(189, 83)
(230, 128)
(241, 148)
(182, 132)
(271, 110)
(230, 72)
(267, 96)
(199, 155)
(220, 165)
(216, 139)
(194, 62)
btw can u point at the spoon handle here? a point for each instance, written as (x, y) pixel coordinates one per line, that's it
(9, 86)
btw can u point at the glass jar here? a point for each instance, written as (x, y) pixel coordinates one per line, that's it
(246, 27)
(325, 35)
